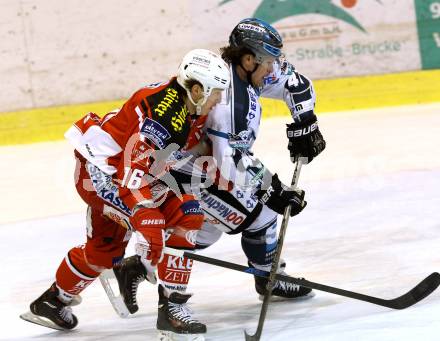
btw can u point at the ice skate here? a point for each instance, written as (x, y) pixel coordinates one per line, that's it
(49, 311)
(282, 290)
(130, 273)
(125, 279)
(174, 320)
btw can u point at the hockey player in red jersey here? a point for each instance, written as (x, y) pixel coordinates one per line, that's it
(119, 160)
(258, 69)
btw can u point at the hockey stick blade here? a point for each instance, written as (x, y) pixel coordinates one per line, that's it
(416, 294)
(254, 337)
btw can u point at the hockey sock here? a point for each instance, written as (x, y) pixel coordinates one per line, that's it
(74, 274)
(174, 273)
(259, 247)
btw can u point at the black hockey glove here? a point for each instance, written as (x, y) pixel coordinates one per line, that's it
(278, 196)
(305, 139)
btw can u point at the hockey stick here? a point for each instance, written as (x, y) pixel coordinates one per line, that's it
(272, 274)
(416, 294)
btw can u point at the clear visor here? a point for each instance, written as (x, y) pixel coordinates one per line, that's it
(207, 103)
(220, 96)
(226, 96)
(270, 60)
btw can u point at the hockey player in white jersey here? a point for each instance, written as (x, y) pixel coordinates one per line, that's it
(251, 206)
(257, 70)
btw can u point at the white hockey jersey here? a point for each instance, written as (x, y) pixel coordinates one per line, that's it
(233, 128)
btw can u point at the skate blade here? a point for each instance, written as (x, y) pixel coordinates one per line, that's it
(170, 336)
(109, 282)
(287, 299)
(42, 321)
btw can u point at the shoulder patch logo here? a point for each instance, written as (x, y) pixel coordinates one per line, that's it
(156, 132)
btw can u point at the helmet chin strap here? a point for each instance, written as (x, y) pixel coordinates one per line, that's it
(198, 110)
(199, 104)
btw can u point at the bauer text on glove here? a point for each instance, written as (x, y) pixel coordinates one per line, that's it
(278, 196)
(305, 138)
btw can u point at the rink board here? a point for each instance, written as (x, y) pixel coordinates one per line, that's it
(49, 124)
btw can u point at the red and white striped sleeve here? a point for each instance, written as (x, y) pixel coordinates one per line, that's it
(110, 143)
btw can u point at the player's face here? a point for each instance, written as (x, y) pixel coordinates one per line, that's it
(213, 99)
(263, 70)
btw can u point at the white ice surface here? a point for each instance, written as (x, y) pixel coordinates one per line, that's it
(372, 226)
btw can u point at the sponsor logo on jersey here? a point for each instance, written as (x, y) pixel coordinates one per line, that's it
(169, 102)
(221, 210)
(155, 132)
(171, 96)
(191, 207)
(241, 141)
(178, 119)
(253, 104)
(105, 188)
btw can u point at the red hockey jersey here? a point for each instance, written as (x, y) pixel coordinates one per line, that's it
(122, 143)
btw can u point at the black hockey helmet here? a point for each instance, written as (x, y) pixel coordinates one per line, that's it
(258, 36)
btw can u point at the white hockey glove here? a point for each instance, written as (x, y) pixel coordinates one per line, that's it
(142, 248)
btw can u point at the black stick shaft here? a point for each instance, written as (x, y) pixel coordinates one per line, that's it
(416, 294)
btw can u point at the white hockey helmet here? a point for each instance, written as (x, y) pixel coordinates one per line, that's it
(207, 68)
